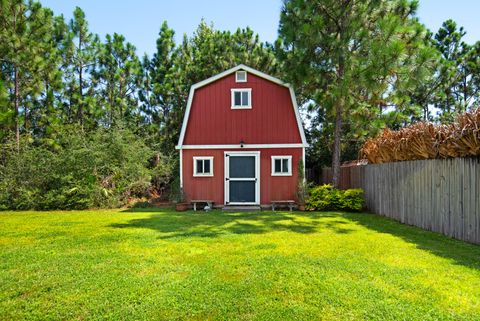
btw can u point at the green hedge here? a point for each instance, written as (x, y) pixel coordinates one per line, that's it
(78, 170)
(327, 198)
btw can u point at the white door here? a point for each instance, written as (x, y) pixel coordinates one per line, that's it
(242, 178)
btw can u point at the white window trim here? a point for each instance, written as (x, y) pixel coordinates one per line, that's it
(227, 154)
(236, 76)
(195, 158)
(289, 157)
(249, 90)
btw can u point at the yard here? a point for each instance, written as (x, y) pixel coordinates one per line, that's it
(146, 264)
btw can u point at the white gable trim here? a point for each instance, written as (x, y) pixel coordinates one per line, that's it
(226, 73)
(297, 116)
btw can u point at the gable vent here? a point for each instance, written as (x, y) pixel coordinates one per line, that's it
(241, 76)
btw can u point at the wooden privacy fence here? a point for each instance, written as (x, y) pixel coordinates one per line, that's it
(441, 195)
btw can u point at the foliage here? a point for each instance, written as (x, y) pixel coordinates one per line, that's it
(327, 198)
(427, 141)
(459, 72)
(26, 51)
(351, 200)
(55, 73)
(105, 168)
(355, 57)
(177, 194)
(81, 52)
(371, 59)
(117, 79)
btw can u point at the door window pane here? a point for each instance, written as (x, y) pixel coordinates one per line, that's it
(242, 166)
(242, 191)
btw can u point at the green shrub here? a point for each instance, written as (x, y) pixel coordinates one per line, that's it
(327, 198)
(102, 168)
(351, 199)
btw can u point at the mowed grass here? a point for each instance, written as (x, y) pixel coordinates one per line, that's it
(146, 265)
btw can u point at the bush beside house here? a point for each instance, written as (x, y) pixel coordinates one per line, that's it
(325, 197)
(105, 168)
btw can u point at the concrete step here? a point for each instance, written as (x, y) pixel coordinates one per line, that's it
(241, 208)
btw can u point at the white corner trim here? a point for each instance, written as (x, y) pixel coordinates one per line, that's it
(241, 90)
(226, 73)
(237, 73)
(275, 157)
(181, 168)
(297, 116)
(195, 158)
(304, 165)
(245, 146)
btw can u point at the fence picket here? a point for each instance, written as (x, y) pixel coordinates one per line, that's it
(442, 195)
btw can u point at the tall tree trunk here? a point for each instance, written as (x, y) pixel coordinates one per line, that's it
(25, 118)
(465, 93)
(80, 82)
(121, 95)
(17, 107)
(80, 101)
(337, 142)
(337, 138)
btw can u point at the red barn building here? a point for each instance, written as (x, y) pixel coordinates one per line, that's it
(241, 139)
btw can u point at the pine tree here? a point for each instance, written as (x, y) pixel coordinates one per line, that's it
(159, 94)
(458, 73)
(351, 56)
(80, 52)
(117, 78)
(25, 45)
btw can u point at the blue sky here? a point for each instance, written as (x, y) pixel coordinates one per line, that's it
(139, 21)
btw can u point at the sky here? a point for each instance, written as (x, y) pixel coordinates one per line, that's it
(140, 20)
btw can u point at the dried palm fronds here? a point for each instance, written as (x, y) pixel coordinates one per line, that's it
(426, 141)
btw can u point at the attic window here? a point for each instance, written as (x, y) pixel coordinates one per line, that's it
(242, 98)
(241, 76)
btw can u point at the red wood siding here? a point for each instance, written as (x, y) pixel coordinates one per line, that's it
(270, 121)
(212, 188)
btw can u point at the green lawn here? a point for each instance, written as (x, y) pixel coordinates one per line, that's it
(165, 265)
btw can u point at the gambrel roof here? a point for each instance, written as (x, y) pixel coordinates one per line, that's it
(228, 72)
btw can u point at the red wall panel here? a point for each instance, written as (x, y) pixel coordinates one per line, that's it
(212, 188)
(270, 121)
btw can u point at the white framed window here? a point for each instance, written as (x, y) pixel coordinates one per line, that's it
(242, 98)
(241, 76)
(282, 165)
(202, 166)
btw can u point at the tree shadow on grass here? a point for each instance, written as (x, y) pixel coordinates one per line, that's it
(460, 252)
(173, 224)
(199, 224)
(148, 210)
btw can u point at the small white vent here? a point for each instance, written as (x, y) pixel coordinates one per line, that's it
(241, 76)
